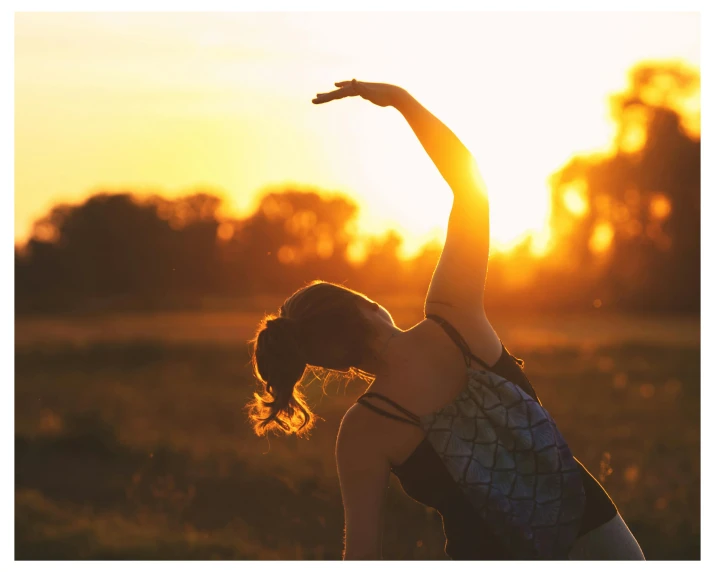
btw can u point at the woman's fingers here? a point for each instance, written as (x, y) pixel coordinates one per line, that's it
(345, 91)
(326, 97)
(381, 94)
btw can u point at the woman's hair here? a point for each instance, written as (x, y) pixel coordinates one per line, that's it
(319, 325)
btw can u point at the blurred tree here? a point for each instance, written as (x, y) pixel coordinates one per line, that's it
(153, 252)
(382, 271)
(292, 238)
(114, 247)
(629, 221)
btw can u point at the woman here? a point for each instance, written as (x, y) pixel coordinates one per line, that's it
(418, 383)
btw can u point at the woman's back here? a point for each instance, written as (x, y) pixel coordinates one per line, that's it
(431, 370)
(431, 375)
(425, 477)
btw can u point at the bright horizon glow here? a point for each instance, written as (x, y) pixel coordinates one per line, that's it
(178, 101)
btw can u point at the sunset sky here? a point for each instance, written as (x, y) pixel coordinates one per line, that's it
(175, 102)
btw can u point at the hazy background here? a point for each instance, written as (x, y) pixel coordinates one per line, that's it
(174, 183)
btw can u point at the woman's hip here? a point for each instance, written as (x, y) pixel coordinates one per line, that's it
(611, 541)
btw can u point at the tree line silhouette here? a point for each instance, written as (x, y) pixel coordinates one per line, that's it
(625, 233)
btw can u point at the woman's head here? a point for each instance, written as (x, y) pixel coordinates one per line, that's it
(323, 325)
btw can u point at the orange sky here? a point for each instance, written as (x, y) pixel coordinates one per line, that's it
(172, 102)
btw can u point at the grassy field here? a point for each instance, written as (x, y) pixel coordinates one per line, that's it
(132, 443)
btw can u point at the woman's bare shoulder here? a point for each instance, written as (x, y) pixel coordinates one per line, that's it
(359, 434)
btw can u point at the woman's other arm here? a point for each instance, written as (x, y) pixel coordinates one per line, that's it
(364, 474)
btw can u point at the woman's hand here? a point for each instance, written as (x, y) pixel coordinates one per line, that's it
(382, 94)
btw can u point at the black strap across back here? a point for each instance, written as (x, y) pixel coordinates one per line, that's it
(413, 419)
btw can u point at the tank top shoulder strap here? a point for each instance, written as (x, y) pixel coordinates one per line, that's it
(459, 340)
(411, 418)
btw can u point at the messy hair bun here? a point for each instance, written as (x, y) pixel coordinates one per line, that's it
(319, 325)
(279, 360)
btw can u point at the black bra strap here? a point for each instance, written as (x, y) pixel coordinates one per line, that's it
(457, 339)
(386, 414)
(413, 419)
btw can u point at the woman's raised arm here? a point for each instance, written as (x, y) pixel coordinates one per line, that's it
(457, 285)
